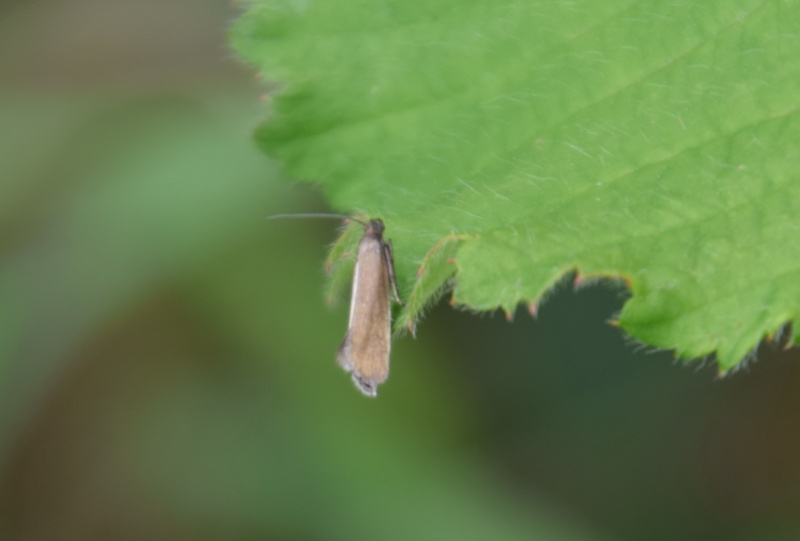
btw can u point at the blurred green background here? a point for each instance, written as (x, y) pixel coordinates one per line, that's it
(167, 362)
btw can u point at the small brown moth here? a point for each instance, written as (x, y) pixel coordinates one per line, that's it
(365, 349)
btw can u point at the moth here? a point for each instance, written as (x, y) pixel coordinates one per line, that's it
(365, 349)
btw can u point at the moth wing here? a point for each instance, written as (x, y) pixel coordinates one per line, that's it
(365, 349)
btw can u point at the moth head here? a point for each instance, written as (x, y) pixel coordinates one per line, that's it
(374, 227)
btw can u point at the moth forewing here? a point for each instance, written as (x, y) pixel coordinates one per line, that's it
(365, 349)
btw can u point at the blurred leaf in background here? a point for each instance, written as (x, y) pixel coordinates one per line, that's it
(167, 361)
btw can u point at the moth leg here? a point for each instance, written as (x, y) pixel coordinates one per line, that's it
(389, 259)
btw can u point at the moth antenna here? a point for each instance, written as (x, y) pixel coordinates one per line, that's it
(317, 215)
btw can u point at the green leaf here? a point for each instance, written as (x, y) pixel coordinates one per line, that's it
(658, 141)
